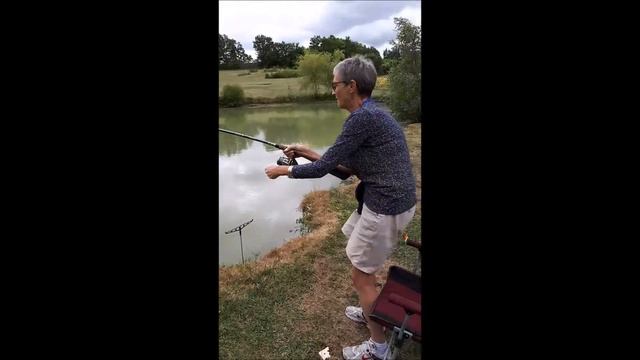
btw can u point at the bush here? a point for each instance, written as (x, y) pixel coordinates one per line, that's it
(404, 95)
(232, 95)
(404, 75)
(282, 74)
(316, 69)
(387, 65)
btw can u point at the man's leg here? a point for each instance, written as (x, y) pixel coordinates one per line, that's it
(365, 285)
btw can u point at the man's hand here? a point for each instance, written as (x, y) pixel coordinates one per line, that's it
(299, 150)
(273, 171)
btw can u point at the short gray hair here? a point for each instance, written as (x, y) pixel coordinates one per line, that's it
(360, 69)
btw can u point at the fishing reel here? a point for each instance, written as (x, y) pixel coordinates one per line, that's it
(283, 160)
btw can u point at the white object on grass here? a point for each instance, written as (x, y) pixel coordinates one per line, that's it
(324, 353)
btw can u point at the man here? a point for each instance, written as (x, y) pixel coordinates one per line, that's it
(372, 147)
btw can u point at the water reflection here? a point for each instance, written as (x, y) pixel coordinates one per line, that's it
(246, 193)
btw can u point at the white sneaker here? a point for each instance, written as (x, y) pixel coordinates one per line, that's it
(364, 351)
(355, 313)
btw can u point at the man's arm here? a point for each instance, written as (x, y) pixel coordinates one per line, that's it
(298, 150)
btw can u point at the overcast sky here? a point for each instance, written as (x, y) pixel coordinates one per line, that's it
(367, 22)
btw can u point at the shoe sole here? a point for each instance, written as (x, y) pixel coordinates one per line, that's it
(357, 321)
(373, 358)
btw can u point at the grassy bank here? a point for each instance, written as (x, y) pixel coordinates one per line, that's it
(260, 90)
(290, 304)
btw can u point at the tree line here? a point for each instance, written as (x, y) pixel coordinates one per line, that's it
(272, 54)
(231, 54)
(402, 63)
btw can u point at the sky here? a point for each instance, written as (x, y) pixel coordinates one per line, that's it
(367, 22)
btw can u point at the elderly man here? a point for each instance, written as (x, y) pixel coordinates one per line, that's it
(371, 146)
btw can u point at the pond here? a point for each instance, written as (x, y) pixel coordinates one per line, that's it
(245, 192)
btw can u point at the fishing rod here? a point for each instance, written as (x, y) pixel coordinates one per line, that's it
(340, 172)
(281, 147)
(283, 160)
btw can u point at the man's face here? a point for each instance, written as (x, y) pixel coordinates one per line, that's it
(341, 91)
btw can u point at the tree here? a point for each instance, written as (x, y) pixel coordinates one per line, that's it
(280, 54)
(391, 54)
(404, 78)
(286, 54)
(374, 55)
(348, 47)
(315, 43)
(316, 69)
(263, 45)
(408, 43)
(231, 53)
(387, 65)
(391, 57)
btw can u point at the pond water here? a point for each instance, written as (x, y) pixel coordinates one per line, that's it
(245, 192)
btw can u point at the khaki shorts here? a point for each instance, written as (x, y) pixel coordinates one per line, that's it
(372, 237)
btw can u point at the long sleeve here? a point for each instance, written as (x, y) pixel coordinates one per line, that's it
(354, 133)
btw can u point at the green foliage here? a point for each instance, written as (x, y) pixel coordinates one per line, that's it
(393, 53)
(348, 48)
(387, 65)
(336, 57)
(317, 69)
(282, 74)
(408, 39)
(280, 54)
(404, 77)
(404, 95)
(231, 55)
(232, 95)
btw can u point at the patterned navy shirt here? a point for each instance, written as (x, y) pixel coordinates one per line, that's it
(373, 146)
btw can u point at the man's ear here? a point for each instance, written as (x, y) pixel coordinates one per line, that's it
(354, 88)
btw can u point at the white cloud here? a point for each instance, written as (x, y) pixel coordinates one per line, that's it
(280, 20)
(413, 14)
(367, 22)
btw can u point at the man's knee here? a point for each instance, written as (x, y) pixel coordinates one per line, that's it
(361, 280)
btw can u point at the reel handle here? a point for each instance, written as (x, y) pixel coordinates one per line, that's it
(283, 160)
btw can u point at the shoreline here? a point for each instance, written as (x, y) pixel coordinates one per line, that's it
(379, 101)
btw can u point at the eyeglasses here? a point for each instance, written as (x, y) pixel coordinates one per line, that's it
(334, 85)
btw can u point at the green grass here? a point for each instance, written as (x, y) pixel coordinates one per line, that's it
(257, 87)
(259, 319)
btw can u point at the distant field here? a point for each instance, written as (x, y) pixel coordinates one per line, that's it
(255, 85)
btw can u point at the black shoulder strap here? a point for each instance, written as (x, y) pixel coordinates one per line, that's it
(360, 196)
